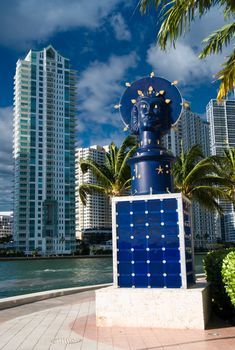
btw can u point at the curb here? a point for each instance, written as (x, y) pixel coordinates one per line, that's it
(18, 300)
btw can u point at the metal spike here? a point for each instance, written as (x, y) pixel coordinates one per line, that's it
(140, 92)
(162, 92)
(133, 101)
(150, 89)
(117, 106)
(175, 82)
(151, 74)
(167, 100)
(127, 84)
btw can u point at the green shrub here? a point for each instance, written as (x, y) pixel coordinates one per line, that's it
(213, 267)
(228, 275)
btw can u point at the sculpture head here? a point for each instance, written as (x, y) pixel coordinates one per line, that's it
(150, 104)
(151, 113)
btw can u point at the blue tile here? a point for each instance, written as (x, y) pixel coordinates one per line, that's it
(172, 254)
(155, 241)
(138, 206)
(123, 207)
(169, 229)
(139, 219)
(172, 242)
(125, 281)
(125, 268)
(141, 268)
(154, 205)
(124, 255)
(173, 281)
(170, 217)
(139, 242)
(156, 267)
(156, 254)
(154, 218)
(169, 204)
(140, 255)
(173, 267)
(141, 281)
(157, 281)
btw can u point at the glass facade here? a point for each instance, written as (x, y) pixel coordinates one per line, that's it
(222, 134)
(44, 137)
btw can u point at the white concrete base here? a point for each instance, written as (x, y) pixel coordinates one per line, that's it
(160, 308)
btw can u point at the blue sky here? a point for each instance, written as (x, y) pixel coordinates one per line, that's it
(108, 43)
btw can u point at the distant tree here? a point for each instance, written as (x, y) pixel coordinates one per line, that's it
(114, 176)
(177, 16)
(199, 180)
(226, 168)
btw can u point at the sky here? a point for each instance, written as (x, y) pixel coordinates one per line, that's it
(109, 43)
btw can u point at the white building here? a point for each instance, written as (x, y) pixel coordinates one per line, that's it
(6, 223)
(44, 153)
(221, 117)
(94, 219)
(191, 130)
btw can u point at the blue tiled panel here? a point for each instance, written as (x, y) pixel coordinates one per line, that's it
(188, 244)
(148, 244)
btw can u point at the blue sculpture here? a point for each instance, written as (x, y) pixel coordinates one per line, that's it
(151, 228)
(149, 107)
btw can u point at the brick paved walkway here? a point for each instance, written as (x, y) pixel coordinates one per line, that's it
(68, 322)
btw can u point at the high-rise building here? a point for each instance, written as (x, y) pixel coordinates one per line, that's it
(6, 221)
(44, 153)
(191, 130)
(93, 221)
(221, 117)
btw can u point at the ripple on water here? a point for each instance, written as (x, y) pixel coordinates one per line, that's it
(27, 276)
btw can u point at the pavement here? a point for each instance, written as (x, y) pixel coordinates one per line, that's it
(68, 323)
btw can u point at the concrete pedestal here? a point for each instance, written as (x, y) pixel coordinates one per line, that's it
(160, 308)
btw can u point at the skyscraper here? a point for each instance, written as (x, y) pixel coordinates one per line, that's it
(93, 221)
(192, 130)
(43, 151)
(221, 117)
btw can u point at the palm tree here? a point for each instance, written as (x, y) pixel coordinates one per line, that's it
(114, 176)
(199, 180)
(177, 16)
(226, 168)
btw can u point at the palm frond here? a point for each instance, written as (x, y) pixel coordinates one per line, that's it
(213, 192)
(97, 170)
(145, 4)
(177, 17)
(218, 39)
(206, 201)
(226, 76)
(86, 189)
(129, 141)
(124, 166)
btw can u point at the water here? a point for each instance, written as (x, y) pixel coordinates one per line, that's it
(28, 276)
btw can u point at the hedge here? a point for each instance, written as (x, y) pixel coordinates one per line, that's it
(221, 302)
(228, 275)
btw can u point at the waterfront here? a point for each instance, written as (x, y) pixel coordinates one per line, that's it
(28, 276)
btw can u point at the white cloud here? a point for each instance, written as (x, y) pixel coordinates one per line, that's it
(182, 63)
(6, 163)
(120, 27)
(99, 88)
(25, 21)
